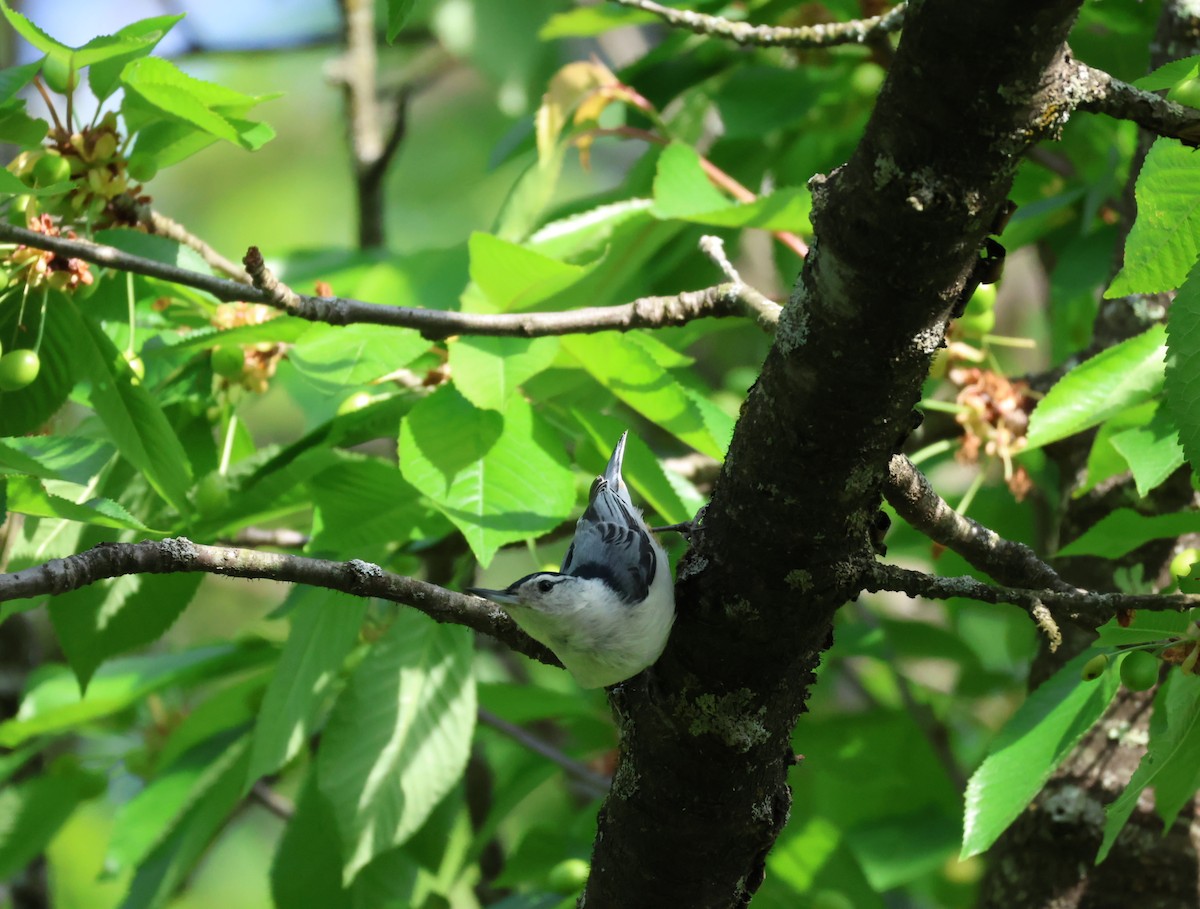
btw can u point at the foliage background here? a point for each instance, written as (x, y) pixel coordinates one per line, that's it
(910, 693)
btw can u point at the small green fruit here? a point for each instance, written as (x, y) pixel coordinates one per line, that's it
(1181, 565)
(142, 168)
(1139, 670)
(568, 876)
(979, 317)
(1094, 668)
(228, 361)
(51, 168)
(1186, 92)
(18, 368)
(60, 76)
(211, 496)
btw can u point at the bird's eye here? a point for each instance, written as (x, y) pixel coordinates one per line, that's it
(545, 586)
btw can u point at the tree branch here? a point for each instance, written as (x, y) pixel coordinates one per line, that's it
(181, 555)
(1077, 605)
(595, 783)
(719, 301)
(1100, 93)
(911, 494)
(857, 31)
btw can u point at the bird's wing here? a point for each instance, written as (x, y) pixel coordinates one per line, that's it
(611, 544)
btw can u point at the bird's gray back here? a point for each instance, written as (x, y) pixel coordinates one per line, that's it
(612, 544)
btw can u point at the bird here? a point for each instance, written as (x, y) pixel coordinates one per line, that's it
(608, 612)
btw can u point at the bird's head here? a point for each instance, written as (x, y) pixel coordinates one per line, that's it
(545, 591)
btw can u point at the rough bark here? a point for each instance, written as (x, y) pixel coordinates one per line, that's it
(700, 792)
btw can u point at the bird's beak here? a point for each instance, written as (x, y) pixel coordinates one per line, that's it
(612, 473)
(503, 597)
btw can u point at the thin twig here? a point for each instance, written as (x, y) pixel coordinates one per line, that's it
(720, 301)
(167, 227)
(1102, 94)
(912, 495)
(271, 800)
(594, 782)
(809, 36)
(356, 577)
(758, 306)
(1082, 606)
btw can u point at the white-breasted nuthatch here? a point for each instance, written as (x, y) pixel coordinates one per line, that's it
(608, 612)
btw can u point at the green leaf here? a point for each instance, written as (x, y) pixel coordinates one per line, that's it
(10, 184)
(31, 33)
(1178, 773)
(1145, 627)
(398, 12)
(307, 870)
(145, 821)
(1167, 75)
(325, 626)
(1029, 748)
(626, 369)
(25, 411)
(133, 418)
(144, 35)
(488, 370)
(399, 735)
(1104, 461)
(589, 21)
(53, 703)
(588, 233)
(333, 357)
(1183, 367)
(28, 496)
(1171, 763)
(19, 128)
(1152, 451)
(32, 811)
(681, 188)
(363, 505)
(513, 278)
(172, 860)
(1162, 246)
(1119, 377)
(116, 616)
(1124, 530)
(59, 457)
(15, 78)
(498, 477)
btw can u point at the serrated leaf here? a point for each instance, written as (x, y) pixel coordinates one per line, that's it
(488, 370)
(1162, 245)
(25, 411)
(1115, 379)
(333, 357)
(15, 78)
(589, 21)
(53, 703)
(145, 821)
(1183, 367)
(28, 496)
(398, 12)
(588, 232)
(1037, 738)
(1104, 461)
(1168, 74)
(500, 477)
(1170, 763)
(116, 616)
(325, 626)
(307, 869)
(1124, 530)
(681, 188)
(1145, 627)
(31, 33)
(32, 811)
(133, 418)
(104, 75)
(364, 505)
(398, 737)
(1152, 451)
(512, 278)
(19, 128)
(172, 860)
(632, 375)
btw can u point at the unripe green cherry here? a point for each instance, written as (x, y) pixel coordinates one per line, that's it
(18, 368)
(51, 168)
(1139, 670)
(59, 75)
(142, 168)
(1094, 668)
(228, 361)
